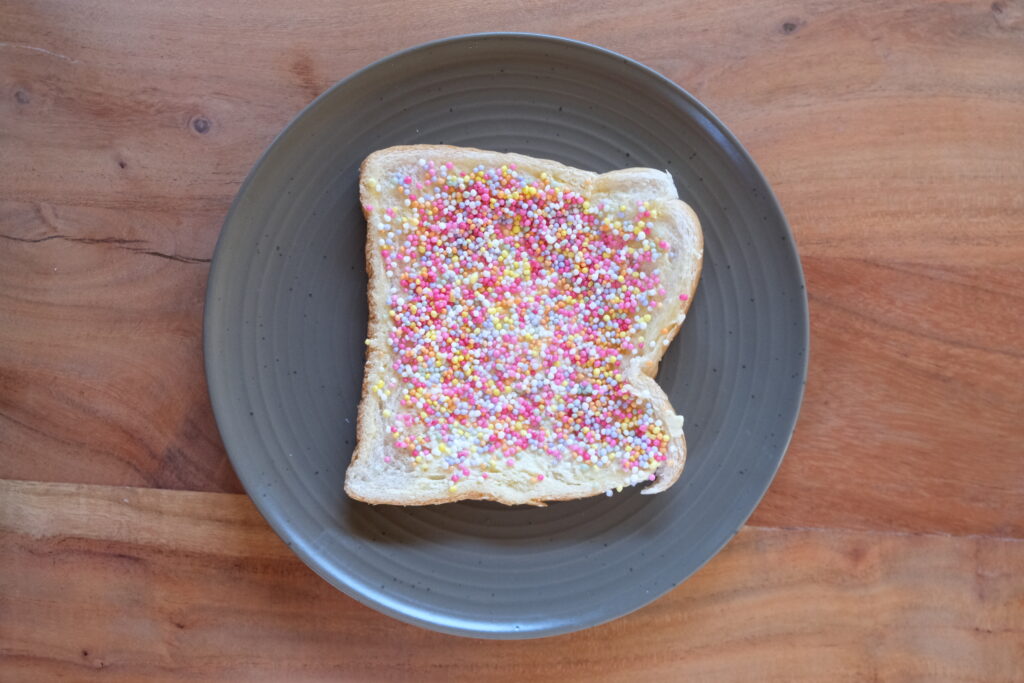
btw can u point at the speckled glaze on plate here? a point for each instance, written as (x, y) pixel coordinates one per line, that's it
(286, 318)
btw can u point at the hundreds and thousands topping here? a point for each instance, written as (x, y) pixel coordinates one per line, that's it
(513, 304)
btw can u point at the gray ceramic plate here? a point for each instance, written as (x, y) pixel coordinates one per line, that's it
(286, 318)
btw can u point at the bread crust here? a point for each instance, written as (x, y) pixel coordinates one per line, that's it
(368, 480)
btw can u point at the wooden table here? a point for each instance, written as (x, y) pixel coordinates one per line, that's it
(890, 545)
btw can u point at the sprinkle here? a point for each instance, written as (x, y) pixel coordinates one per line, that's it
(511, 303)
(684, 297)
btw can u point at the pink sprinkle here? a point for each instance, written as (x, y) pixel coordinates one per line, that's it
(684, 297)
(387, 458)
(368, 208)
(540, 477)
(406, 180)
(651, 477)
(510, 462)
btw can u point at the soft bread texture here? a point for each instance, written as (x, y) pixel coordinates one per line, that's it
(382, 473)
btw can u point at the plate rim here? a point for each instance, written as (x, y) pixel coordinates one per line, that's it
(219, 399)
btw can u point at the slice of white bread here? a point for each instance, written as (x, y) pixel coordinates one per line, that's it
(525, 371)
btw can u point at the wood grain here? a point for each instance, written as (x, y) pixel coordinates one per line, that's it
(893, 133)
(912, 419)
(130, 584)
